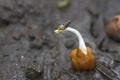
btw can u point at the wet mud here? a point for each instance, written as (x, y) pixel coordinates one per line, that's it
(29, 49)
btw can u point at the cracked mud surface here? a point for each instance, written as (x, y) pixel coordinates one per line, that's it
(29, 49)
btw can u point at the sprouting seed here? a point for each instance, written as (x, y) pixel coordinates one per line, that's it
(82, 57)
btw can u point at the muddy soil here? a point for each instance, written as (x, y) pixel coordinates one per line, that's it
(29, 49)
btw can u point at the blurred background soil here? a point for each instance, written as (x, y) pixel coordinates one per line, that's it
(29, 49)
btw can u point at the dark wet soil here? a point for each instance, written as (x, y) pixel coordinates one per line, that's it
(29, 49)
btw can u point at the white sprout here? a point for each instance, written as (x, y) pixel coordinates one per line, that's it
(82, 45)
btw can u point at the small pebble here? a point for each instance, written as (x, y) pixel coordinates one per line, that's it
(36, 44)
(16, 35)
(32, 74)
(69, 43)
(22, 57)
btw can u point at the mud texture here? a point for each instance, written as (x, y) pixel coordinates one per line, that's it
(29, 49)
